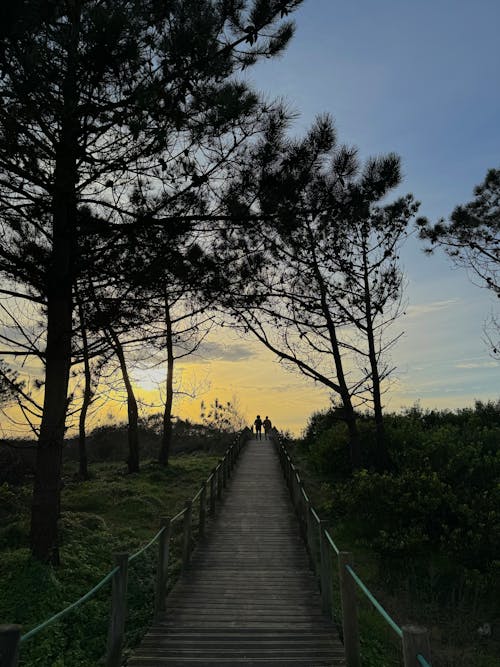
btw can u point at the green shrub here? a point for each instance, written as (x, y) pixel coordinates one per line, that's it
(330, 453)
(443, 494)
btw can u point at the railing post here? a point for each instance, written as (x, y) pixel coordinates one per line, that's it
(303, 510)
(415, 640)
(308, 531)
(224, 470)
(296, 490)
(203, 510)
(162, 570)
(219, 481)
(213, 492)
(293, 481)
(186, 544)
(326, 571)
(118, 611)
(313, 542)
(349, 611)
(10, 636)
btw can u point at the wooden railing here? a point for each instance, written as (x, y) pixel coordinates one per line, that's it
(204, 503)
(323, 551)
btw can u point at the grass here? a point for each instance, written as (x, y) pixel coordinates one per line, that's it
(112, 512)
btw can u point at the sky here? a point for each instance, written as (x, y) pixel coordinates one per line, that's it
(420, 79)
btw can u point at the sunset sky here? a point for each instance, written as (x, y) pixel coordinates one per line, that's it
(419, 79)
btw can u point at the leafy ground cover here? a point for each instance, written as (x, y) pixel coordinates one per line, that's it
(112, 512)
(425, 535)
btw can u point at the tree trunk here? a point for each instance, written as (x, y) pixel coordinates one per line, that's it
(345, 394)
(45, 507)
(352, 427)
(87, 399)
(133, 412)
(166, 440)
(383, 461)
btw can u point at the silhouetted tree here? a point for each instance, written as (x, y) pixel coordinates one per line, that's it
(321, 266)
(369, 281)
(471, 238)
(186, 324)
(98, 96)
(222, 416)
(87, 394)
(9, 384)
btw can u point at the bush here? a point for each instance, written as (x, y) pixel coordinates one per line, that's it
(330, 454)
(109, 442)
(443, 495)
(326, 443)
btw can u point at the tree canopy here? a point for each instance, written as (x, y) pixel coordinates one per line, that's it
(471, 239)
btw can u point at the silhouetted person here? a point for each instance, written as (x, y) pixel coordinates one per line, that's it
(267, 426)
(258, 428)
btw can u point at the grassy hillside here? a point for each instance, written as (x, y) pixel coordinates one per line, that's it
(112, 512)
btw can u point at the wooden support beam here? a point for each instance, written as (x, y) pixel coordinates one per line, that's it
(186, 542)
(203, 510)
(10, 636)
(213, 492)
(162, 569)
(118, 611)
(349, 611)
(416, 641)
(326, 571)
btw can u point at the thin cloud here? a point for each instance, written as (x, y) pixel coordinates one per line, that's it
(432, 307)
(211, 350)
(483, 364)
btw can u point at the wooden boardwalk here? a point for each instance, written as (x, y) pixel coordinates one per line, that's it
(248, 597)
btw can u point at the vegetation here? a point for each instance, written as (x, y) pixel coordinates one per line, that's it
(426, 534)
(112, 511)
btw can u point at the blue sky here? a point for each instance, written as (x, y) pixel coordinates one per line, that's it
(421, 79)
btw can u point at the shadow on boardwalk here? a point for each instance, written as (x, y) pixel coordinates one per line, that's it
(248, 597)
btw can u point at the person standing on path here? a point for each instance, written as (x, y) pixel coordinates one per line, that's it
(267, 426)
(258, 428)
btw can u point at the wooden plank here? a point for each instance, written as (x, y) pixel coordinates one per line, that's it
(247, 596)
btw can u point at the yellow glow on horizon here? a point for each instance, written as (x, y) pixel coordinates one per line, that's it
(245, 373)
